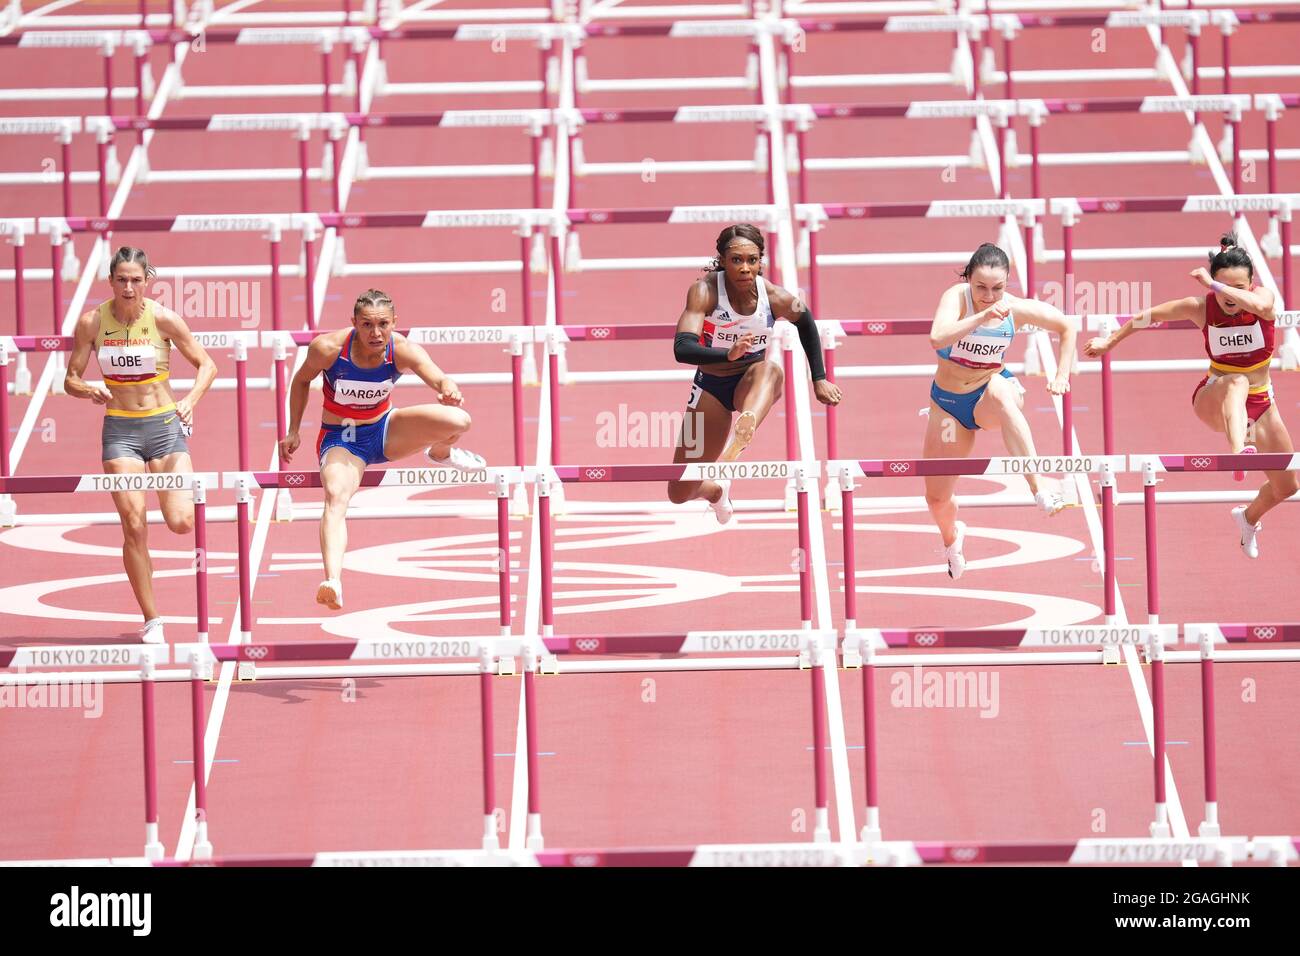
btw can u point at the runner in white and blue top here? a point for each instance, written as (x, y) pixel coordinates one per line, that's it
(724, 330)
(972, 389)
(360, 427)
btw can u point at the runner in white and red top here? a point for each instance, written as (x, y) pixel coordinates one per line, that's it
(724, 332)
(359, 425)
(1236, 318)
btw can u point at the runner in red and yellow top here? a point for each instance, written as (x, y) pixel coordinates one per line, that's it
(1236, 319)
(145, 427)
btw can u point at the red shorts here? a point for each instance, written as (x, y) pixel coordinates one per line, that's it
(1257, 403)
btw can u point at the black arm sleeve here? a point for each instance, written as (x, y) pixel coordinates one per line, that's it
(688, 350)
(811, 342)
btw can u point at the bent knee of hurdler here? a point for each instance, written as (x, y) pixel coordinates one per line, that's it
(680, 492)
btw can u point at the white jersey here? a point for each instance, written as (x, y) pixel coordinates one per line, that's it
(724, 326)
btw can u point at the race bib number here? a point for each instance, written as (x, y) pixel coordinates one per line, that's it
(694, 400)
(726, 338)
(980, 348)
(128, 360)
(1236, 340)
(361, 393)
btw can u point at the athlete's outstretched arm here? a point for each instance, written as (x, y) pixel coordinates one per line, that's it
(1190, 309)
(1049, 317)
(788, 307)
(83, 340)
(414, 359)
(319, 358)
(173, 327)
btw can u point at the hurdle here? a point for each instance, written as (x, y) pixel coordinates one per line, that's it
(860, 651)
(145, 658)
(497, 483)
(815, 648)
(1150, 466)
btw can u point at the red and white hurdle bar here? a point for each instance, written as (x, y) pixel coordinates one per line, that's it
(860, 650)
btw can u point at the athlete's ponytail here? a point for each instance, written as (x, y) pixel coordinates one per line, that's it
(1230, 256)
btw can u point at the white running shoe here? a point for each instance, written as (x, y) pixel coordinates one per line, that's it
(330, 593)
(723, 508)
(1247, 531)
(152, 632)
(956, 560)
(1247, 450)
(459, 458)
(1050, 502)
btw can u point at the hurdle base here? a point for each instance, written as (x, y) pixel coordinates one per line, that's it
(1208, 830)
(1160, 830)
(283, 505)
(8, 511)
(833, 500)
(202, 845)
(534, 841)
(247, 671)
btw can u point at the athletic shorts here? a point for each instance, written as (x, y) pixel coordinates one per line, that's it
(1257, 403)
(144, 438)
(961, 405)
(364, 441)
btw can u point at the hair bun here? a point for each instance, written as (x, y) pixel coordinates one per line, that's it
(1227, 241)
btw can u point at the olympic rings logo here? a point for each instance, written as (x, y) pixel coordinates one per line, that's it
(598, 216)
(1200, 462)
(855, 212)
(595, 474)
(877, 328)
(1112, 206)
(584, 859)
(927, 639)
(964, 854)
(51, 345)
(256, 651)
(100, 225)
(352, 221)
(900, 467)
(587, 644)
(295, 479)
(1264, 633)
(600, 332)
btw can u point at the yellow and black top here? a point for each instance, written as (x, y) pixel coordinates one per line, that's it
(134, 354)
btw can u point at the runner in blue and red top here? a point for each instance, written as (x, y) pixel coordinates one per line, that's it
(1237, 322)
(359, 425)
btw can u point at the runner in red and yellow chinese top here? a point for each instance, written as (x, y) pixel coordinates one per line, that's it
(1237, 321)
